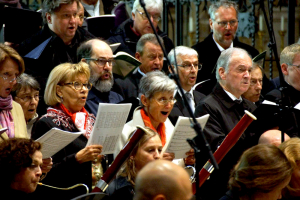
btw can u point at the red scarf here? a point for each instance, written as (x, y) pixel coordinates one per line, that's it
(161, 129)
(78, 118)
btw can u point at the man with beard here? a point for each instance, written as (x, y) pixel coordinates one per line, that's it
(99, 56)
(226, 106)
(223, 23)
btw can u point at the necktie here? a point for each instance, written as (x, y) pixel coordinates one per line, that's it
(238, 101)
(190, 100)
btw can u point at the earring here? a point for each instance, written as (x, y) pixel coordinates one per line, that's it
(61, 99)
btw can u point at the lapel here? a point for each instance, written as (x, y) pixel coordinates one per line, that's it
(180, 105)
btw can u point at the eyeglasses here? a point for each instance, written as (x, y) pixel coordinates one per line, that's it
(188, 66)
(10, 78)
(77, 85)
(81, 17)
(101, 61)
(224, 24)
(144, 16)
(297, 66)
(29, 98)
(164, 102)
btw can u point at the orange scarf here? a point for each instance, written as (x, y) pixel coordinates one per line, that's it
(161, 129)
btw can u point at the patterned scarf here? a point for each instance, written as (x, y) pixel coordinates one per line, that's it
(161, 129)
(80, 119)
(6, 119)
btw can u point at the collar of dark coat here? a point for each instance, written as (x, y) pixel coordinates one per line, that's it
(94, 93)
(223, 97)
(125, 30)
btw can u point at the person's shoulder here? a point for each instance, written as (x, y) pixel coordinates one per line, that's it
(200, 45)
(273, 95)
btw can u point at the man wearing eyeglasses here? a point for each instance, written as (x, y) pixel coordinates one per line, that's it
(99, 56)
(130, 31)
(290, 67)
(226, 106)
(187, 67)
(223, 23)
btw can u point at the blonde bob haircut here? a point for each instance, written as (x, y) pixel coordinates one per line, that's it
(63, 73)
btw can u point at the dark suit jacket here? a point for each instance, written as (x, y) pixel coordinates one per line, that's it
(224, 115)
(286, 121)
(95, 97)
(179, 108)
(208, 53)
(130, 85)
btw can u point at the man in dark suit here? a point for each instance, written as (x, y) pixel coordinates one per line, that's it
(290, 67)
(226, 106)
(223, 23)
(151, 56)
(188, 67)
(99, 56)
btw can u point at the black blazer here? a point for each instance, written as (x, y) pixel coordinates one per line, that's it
(179, 108)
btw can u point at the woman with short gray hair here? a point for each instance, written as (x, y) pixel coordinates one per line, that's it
(157, 102)
(26, 93)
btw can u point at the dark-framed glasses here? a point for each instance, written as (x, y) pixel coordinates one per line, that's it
(224, 24)
(144, 16)
(188, 66)
(77, 85)
(29, 98)
(297, 66)
(10, 78)
(164, 102)
(102, 61)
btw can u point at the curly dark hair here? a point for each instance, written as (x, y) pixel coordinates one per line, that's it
(15, 155)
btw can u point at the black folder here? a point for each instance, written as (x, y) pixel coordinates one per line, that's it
(20, 24)
(101, 26)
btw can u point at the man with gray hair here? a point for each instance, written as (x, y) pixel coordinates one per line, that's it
(99, 56)
(162, 180)
(149, 53)
(223, 23)
(188, 68)
(129, 32)
(226, 106)
(290, 67)
(56, 43)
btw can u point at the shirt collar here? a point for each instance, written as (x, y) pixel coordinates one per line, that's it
(91, 9)
(232, 96)
(178, 91)
(142, 73)
(219, 46)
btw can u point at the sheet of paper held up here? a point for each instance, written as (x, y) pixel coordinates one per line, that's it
(109, 125)
(182, 131)
(55, 140)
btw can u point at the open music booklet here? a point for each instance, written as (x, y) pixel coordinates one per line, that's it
(109, 124)
(125, 64)
(183, 131)
(55, 140)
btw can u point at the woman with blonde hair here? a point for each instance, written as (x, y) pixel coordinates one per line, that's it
(149, 148)
(291, 148)
(66, 92)
(261, 173)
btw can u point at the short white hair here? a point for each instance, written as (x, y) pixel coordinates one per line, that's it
(150, 5)
(180, 51)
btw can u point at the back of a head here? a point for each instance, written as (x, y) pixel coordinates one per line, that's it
(260, 170)
(164, 178)
(272, 137)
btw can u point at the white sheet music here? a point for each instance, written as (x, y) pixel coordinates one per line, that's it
(109, 125)
(182, 131)
(55, 140)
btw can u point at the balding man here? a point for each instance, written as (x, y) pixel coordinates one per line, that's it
(226, 106)
(272, 136)
(99, 56)
(162, 180)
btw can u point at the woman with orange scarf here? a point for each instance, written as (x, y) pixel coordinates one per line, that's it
(156, 101)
